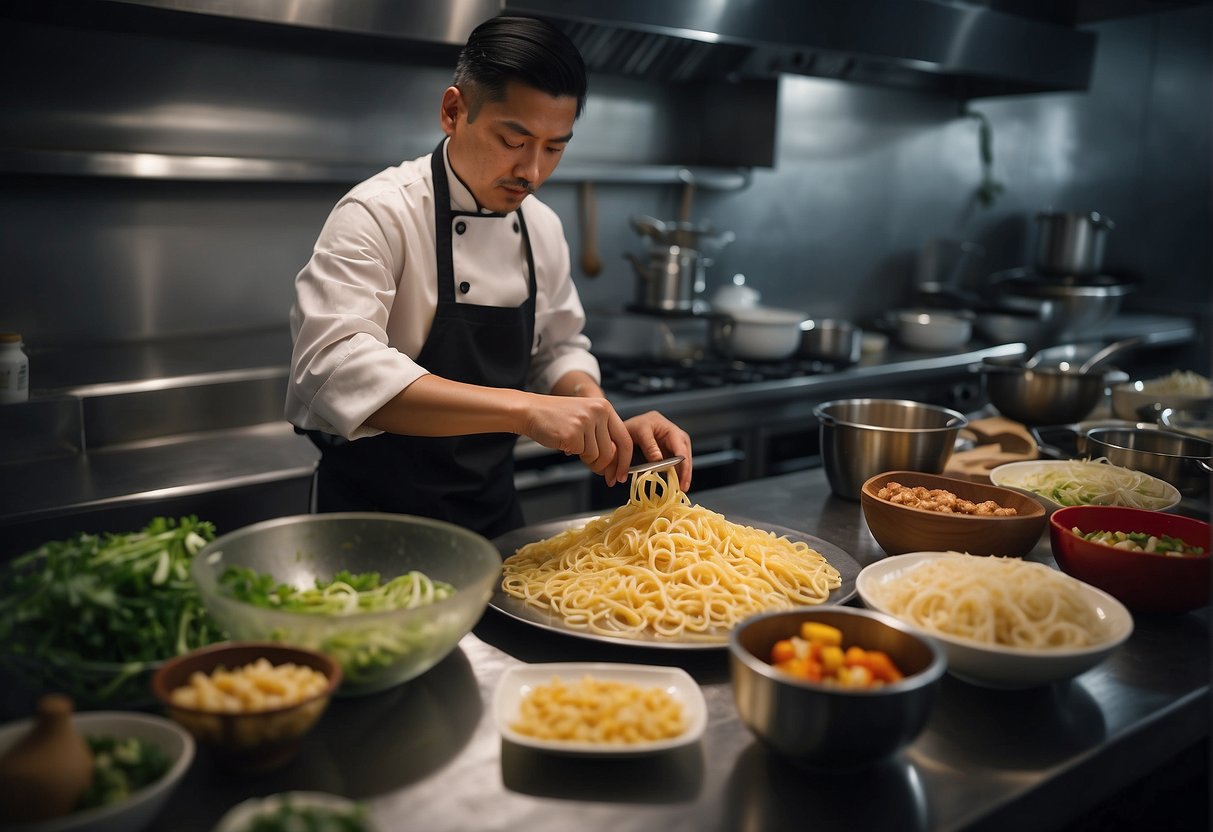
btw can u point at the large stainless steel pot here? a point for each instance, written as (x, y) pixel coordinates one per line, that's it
(670, 279)
(1071, 243)
(1184, 461)
(861, 438)
(1047, 394)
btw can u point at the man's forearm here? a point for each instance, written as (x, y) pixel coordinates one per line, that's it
(435, 406)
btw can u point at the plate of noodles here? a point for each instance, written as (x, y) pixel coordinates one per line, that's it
(660, 571)
(1004, 622)
(599, 709)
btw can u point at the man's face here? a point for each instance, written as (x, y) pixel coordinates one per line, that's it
(510, 147)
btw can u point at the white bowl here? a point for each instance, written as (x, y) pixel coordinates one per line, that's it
(518, 681)
(933, 331)
(1018, 476)
(141, 808)
(240, 817)
(996, 666)
(1128, 398)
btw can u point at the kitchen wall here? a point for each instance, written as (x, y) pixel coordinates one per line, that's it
(862, 178)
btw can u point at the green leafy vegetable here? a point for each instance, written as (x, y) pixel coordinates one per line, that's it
(120, 768)
(291, 818)
(363, 650)
(123, 598)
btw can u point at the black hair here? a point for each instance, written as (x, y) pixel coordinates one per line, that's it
(526, 49)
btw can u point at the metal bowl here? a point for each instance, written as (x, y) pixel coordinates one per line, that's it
(1077, 304)
(1045, 395)
(861, 438)
(377, 650)
(1184, 461)
(818, 724)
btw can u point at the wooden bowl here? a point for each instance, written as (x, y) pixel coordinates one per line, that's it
(250, 741)
(900, 529)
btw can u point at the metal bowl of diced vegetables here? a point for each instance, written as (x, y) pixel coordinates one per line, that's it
(386, 595)
(95, 614)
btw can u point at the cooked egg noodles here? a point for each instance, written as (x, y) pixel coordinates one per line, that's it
(659, 565)
(999, 601)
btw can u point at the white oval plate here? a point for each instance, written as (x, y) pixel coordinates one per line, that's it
(520, 680)
(997, 666)
(1012, 473)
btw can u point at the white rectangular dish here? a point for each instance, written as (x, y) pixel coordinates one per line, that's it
(518, 682)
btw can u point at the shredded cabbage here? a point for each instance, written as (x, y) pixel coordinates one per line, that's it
(1095, 482)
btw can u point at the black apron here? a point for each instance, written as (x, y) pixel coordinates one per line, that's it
(467, 480)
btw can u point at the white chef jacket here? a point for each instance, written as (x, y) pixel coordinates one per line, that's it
(365, 300)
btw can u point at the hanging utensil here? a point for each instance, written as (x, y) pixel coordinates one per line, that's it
(591, 262)
(688, 196)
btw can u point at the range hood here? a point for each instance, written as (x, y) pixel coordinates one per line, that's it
(961, 48)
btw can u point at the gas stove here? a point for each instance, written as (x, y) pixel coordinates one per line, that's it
(641, 376)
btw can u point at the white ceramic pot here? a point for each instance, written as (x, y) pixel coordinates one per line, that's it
(933, 331)
(760, 333)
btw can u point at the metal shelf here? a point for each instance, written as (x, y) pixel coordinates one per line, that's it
(167, 166)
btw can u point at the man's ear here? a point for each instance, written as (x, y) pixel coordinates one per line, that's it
(452, 105)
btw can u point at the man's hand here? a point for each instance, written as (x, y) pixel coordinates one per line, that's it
(657, 438)
(588, 428)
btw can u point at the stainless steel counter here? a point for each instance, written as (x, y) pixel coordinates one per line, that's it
(426, 755)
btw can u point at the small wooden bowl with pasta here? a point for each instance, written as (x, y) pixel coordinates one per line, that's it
(909, 511)
(251, 703)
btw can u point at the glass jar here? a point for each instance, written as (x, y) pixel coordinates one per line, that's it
(14, 369)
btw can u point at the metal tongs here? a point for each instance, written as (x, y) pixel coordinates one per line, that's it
(659, 465)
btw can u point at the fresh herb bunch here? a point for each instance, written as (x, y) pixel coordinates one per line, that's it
(120, 768)
(114, 597)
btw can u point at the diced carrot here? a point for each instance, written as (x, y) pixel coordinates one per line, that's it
(813, 671)
(855, 655)
(782, 651)
(882, 666)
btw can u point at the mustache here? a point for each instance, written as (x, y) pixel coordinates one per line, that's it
(525, 184)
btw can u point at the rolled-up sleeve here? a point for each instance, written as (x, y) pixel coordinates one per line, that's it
(343, 368)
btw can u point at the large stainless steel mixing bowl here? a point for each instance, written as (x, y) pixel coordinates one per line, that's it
(830, 725)
(861, 438)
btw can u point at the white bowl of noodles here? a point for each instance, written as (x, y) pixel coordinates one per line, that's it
(964, 601)
(1057, 483)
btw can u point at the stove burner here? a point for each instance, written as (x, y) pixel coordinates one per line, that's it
(651, 376)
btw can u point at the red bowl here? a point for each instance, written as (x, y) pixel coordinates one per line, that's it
(1145, 582)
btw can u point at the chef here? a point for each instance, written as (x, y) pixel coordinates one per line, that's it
(436, 320)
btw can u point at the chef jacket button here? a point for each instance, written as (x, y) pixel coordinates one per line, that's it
(515, 228)
(461, 227)
(465, 287)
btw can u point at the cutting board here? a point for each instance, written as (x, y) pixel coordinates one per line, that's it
(999, 440)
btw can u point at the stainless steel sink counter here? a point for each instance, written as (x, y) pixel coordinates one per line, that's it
(426, 755)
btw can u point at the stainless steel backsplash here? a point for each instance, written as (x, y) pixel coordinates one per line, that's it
(859, 178)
